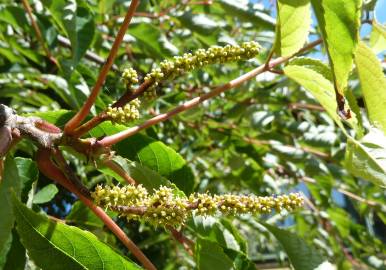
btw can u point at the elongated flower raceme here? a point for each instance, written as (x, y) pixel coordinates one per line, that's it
(165, 208)
(169, 69)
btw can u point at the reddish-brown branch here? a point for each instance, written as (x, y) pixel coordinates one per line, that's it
(47, 167)
(129, 96)
(38, 33)
(113, 139)
(83, 112)
(93, 122)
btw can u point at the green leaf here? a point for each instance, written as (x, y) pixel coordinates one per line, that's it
(373, 85)
(58, 118)
(148, 178)
(302, 255)
(210, 255)
(339, 22)
(152, 40)
(142, 175)
(228, 226)
(81, 215)
(28, 173)
(312, 76)
(294, 21)
(27, 169)
(152, 154)
(14, 16)
(46, 194)
(246, 13)
(16, 258)
(58, 246)
(378, 37)
(76, 19)
(9, 182)
(367, 158)
(158, 157)
(4, 252)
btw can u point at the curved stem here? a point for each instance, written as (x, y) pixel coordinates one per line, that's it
(83, 112)
(50, 170)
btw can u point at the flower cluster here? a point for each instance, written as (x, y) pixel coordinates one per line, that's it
(169, 69)
(130, 77)
(124, 114)
(165, 208)
(114, 195)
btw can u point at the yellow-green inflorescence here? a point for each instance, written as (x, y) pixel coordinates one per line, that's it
(130, 111)
(126, 114)
(130, 77)
(164, 208)
(169, 69)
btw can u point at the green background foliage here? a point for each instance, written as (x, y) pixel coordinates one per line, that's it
(277, 133)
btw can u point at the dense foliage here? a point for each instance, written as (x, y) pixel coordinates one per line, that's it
(312, 121)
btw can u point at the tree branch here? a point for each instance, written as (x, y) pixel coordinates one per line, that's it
(113, 139)
(83, 112)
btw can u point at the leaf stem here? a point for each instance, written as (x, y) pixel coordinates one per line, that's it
(83, 112)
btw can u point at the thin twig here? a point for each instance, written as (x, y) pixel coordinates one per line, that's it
(110, 140)
(294, 106)
(83, 112)
(38, 33)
